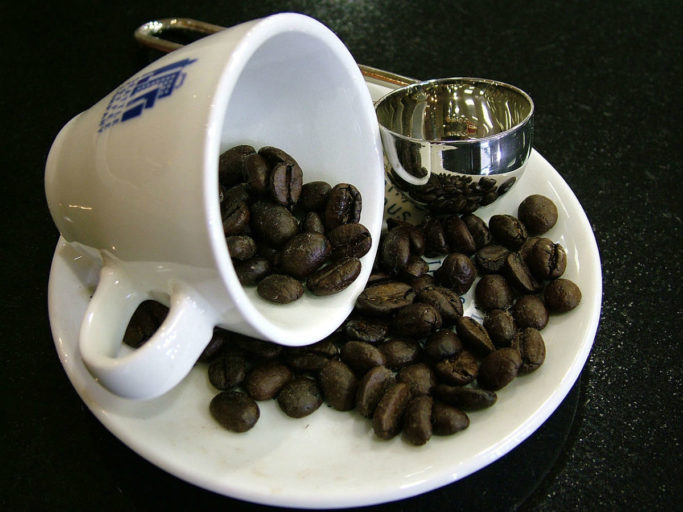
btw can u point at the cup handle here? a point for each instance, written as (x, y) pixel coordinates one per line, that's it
(164, 360)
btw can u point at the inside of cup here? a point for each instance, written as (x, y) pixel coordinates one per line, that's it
(298, 92)
(454, 109)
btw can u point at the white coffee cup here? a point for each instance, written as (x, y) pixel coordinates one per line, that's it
(132, 182)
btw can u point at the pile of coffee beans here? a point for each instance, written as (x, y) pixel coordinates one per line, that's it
(406, 358)
(286, 236)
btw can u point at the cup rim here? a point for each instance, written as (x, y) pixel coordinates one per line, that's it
(402, 91)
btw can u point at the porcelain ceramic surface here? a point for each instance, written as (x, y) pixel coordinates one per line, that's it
(132, 183)
(332, 459)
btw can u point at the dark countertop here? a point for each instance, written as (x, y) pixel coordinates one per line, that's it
(605, 78)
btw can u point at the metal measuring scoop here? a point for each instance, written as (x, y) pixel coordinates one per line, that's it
(451, 144)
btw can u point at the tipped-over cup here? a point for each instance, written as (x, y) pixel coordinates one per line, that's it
(133, 183)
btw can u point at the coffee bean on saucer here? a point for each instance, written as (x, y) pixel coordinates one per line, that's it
(531, 347)
(530, 311)
(456, 272)
(447, 420)
(339, 385)
(300, 397)
(314, 195)
(561, 295)
(371, 389)
(386, 420)
(493, 292)
(265, 380)
(547, 260)
(501, 327)
(508, 231)
(538, 213)
(499, 368)
(417, 420)
(234, 410)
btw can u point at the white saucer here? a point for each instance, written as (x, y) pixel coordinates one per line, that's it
(332, 459)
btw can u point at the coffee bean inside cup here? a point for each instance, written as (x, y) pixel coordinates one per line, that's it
(284, 236)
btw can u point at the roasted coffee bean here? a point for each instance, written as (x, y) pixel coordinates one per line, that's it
(415, 267)
(399, 353)
(231, 165)
(335, 277)
(252, 271)
(417, 420)
(371, 389)
(459, 370)
(302, 361)
(344, 206)
(303, 254)
(478, 229)
(501, 327)
(350, 240)
(416, 320)
(235, 217)
(256, 174)
(234, 410)
(217, 343)
(339, 385)
(493, 292)
(236, 194)
(458, 236)
(273, 223)
(530, 311)
(327, 346)
(259, 349)
(144, 322)
(518, 274)
(527, 247)
(300, 397)
(313, 223)
(241, 247)
(365, 329)
(443, 344)
(419, 376)
(561, 295)
(435, 238)
(445, 300)
(394, 250)
(422, 282)
(284, 184)
(474, 336)
(385, 298)
(508, 231)
(490, 259)
(499, 368)
(547, 260)
(361, 356)
(280, 288)
(531, 347)
(274, 156)
(538, 213)
(456, 272)
(265, 380)
(415, 235)
(228, 371)
(386, 420)
(465, 397)
(447, 420)
(314, 196)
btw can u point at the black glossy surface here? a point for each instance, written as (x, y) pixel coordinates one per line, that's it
(605, 78)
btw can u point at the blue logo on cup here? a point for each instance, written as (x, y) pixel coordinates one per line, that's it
(135, 96)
